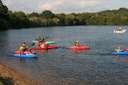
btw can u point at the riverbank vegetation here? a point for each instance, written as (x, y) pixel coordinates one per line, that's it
(17, 20)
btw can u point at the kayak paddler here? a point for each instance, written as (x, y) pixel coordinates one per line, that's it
(118, 49)
(23, 47)
(77, 43)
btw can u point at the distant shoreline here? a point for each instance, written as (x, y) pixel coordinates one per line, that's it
(19, 20)
(64, 26)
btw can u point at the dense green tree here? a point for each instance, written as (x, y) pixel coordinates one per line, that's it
(47, 18)
(19, 19)
(47, 14)
(9, 19)
(61, 18)
(3, 17)
(34, 14)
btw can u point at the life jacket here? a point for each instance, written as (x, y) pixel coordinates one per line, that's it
(43, 45)
(21, 48)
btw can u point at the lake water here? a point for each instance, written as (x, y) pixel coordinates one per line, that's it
(64, 67)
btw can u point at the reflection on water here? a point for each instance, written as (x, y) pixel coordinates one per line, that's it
(121, 59)
(4, 43)
(23, 60)
(78, 51)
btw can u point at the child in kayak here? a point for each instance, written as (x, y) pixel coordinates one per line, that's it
(23, 47)
(42, 44)
(118, 49)
(77, 43)
(40, 39)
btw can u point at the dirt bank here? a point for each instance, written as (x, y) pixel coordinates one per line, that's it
(8, 75)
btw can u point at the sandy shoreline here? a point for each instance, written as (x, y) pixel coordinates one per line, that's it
(15, 77)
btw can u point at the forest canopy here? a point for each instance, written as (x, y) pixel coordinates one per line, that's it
(17, 20)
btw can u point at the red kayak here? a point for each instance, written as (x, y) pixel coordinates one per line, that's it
(81, 47)
(78, 51)
(49, 47)
(126, 49)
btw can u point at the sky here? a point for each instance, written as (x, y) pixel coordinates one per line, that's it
(64, 6)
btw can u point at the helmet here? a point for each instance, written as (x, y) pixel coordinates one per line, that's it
(23, 42)
(77, 41)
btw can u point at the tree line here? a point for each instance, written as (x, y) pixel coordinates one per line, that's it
(17, 20)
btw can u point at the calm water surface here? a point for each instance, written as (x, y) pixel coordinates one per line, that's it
(64, 67)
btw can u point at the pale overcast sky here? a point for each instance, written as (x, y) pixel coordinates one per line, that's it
(64, 6)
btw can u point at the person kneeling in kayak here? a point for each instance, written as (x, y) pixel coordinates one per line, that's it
(23, 47)
(40, 39)
(43, 44)
(77, 43)
(118, 49)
